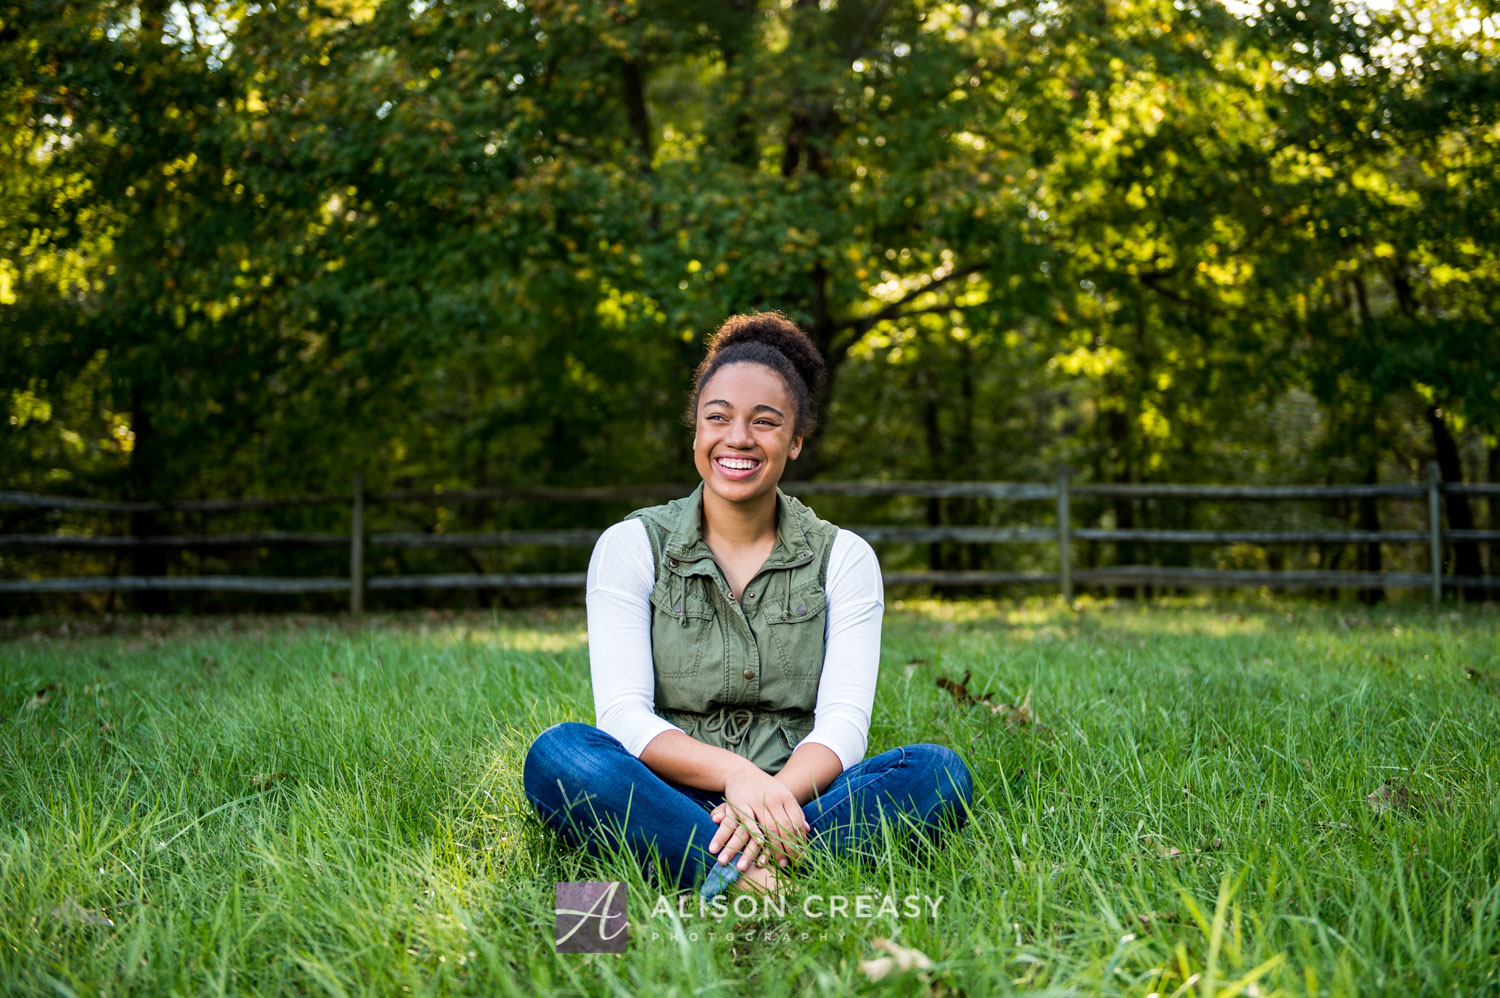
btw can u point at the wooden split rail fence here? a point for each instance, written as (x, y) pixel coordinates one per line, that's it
(1059, 493)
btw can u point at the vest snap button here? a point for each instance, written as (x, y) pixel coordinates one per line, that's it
(752, 595)
(749, 673)
(801, 610)
(672, 562)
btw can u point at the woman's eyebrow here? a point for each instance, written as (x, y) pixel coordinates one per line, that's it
(762, 407)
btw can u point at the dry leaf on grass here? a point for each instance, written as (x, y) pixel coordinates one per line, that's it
(1017, 715)
(960, 690)
(1395, 795)
(1479, 677)
(900, 960)
(260, 781)
(1390, 796)
(1020, 714)
(41, 697)
(1164, 851)
(1151, 919)
(70, 912)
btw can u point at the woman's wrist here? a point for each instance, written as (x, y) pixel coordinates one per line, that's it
(810, 771)
(801, 789)
(740, 768)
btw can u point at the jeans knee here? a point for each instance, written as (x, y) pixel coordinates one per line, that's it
(555, 752)
(955, 785)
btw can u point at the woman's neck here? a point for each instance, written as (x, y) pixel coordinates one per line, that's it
(738, 524)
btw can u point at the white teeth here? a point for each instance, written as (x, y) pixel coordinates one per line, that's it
(737, 463)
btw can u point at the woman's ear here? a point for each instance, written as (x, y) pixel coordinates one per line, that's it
(796, 447)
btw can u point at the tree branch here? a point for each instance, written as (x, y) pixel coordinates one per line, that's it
(864, 32)
(893, 309)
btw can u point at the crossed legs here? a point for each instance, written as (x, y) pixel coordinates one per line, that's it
(588, 787)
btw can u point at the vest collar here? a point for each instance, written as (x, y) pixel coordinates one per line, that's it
(685, 545)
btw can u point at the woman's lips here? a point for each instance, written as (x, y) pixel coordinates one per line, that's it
(737, 469)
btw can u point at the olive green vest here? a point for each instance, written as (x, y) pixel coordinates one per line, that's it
(739, 674)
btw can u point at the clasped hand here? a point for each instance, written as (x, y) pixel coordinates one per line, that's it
(759, 812)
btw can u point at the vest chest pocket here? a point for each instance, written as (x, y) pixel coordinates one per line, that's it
(683, 632)
(795, 631)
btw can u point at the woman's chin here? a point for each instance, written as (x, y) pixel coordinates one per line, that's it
(740, 491)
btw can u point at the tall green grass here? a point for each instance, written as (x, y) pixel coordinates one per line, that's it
(266, 805)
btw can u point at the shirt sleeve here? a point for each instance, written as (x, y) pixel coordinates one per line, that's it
(851, 661)
(620, 578)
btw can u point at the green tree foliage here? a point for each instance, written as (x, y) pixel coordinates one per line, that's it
(245, 248)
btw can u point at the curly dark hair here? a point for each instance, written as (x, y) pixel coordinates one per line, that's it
(771, 340)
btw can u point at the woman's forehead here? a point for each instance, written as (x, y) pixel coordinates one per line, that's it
(746, 383)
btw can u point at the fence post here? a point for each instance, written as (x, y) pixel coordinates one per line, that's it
(357, 549)
(1064, 537)
(1434, 531)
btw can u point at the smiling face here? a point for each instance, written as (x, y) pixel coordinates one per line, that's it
(744, 432)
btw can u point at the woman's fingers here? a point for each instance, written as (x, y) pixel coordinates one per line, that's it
(789, 836)
(752, 848)
(728, 822)
(737, 831)
(742, 839)
(767, 835)
(779, 841)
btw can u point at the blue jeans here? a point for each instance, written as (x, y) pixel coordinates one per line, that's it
(587, 786)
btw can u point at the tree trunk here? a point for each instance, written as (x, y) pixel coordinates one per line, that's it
(1369, 554)
(1494, 478)
(738, 24)
(934, 433)
(634, 86)
(1119, 437)
(142, 478)
(821, 332)
(968, 508)
(1460, 516)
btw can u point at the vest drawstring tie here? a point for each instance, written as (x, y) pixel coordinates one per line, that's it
(733, 721)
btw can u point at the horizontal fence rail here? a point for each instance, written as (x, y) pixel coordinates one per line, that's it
(1273, 492)
(1061, 493)
(875, 535)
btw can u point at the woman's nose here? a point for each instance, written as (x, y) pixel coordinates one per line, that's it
(739, 434)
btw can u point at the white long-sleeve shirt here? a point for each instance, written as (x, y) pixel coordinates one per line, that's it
(621, 576)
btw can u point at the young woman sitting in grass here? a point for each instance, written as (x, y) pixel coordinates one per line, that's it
(734, 642)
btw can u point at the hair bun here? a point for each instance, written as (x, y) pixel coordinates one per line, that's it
(774, 330)
(772, 340)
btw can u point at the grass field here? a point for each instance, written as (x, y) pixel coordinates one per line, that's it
(293, 805)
